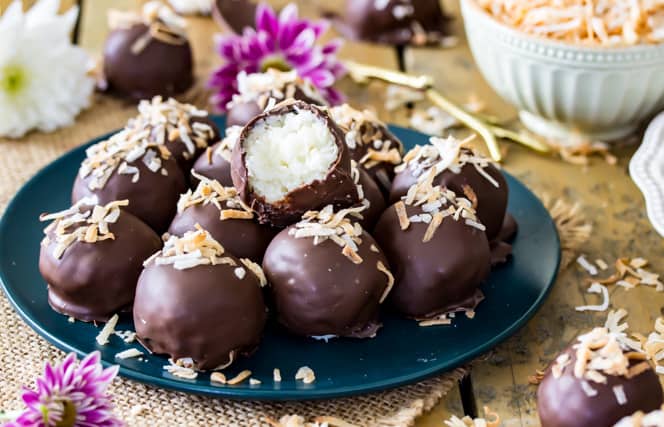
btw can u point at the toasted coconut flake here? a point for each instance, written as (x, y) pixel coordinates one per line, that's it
(586, 265)
(184, 372)
(107, 330)
(193, 249)
(398, 96)
(492, 419)
(128, 354)
(619, 392)
(597, 288)
(218, 377)
(71, 319)
(442, 319)
(588, 389)
(432, 121)
(276, 375)
(254, 381)
(390, 280)
(239, 377)
(400, 208)
(601, 264)
(240, 272)
(306, 374)
(256, 270)
(272, 84)
(210, 191)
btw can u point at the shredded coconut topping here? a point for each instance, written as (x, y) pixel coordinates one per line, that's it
(654, 346)
(306, 374)
(163, 24)
(210, 191)
(363, 128)
(336, 226)
(225, 149)
(170, 120)
(193, 249)
(599, 22)
(85, 221)
(272, 85)
(604, 351)
(435, 203)
(444, 154)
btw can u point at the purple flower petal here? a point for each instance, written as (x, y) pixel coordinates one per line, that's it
(266, 19)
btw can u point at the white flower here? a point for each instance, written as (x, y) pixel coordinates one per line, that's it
(192, 7)
(43, 77)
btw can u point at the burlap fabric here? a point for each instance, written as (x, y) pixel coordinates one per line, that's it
(23, 352)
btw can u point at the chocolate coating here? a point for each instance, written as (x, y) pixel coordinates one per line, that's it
(152, 198)
(204, 312)
(213, 166)
(159, 69)
(491, 200)
(319, 291)
(243, 238)
(239, 114)
(376, 200)
(439, 276)
(234, 15)
(93, 281)
(179, 150)
(561, 402)
(337, 188)
(365, 20)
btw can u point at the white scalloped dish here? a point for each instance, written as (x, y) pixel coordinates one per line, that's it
(647, 171)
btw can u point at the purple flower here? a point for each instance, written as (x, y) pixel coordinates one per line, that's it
(70, 395)
(284, 42)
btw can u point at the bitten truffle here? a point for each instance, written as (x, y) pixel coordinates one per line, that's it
(91, 257)
(370, 142)
(461, 170)
(194, 300)
(438, 251)
(258, 90)
(327, 276)
(292, 159)
(184, 129)
(220, 211)
(602, 377)
(395, 22)
(130, 166)
(147, 54)
(215, 162)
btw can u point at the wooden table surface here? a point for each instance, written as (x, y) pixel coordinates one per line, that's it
(609, 199)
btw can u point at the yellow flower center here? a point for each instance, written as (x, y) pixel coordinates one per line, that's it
(13, 79)
(68, 414)
(276, 62)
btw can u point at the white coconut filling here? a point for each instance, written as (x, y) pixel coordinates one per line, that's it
(284, 152)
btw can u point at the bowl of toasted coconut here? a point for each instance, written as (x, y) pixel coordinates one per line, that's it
(572, 67)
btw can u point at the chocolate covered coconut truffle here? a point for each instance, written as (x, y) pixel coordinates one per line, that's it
(129, 165)
(438, 251)
(184, 129)
(194, 300)
(215, 162)
(370, 143)
(220, 211)
(327, 276)
(147, 54)
(602, 377)
(395, 22)
(461, 170)
(258, 90)
(292, 159)
(235, 15)
(91, 258)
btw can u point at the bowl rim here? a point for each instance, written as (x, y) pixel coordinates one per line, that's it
(472, 5)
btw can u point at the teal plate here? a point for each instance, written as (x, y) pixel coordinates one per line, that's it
(401, 353)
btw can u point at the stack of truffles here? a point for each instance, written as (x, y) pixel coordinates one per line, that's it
(314, 209)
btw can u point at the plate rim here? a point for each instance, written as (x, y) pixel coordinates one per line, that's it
(276, 394)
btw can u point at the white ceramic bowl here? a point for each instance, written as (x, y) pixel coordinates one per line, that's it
(562, 89)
